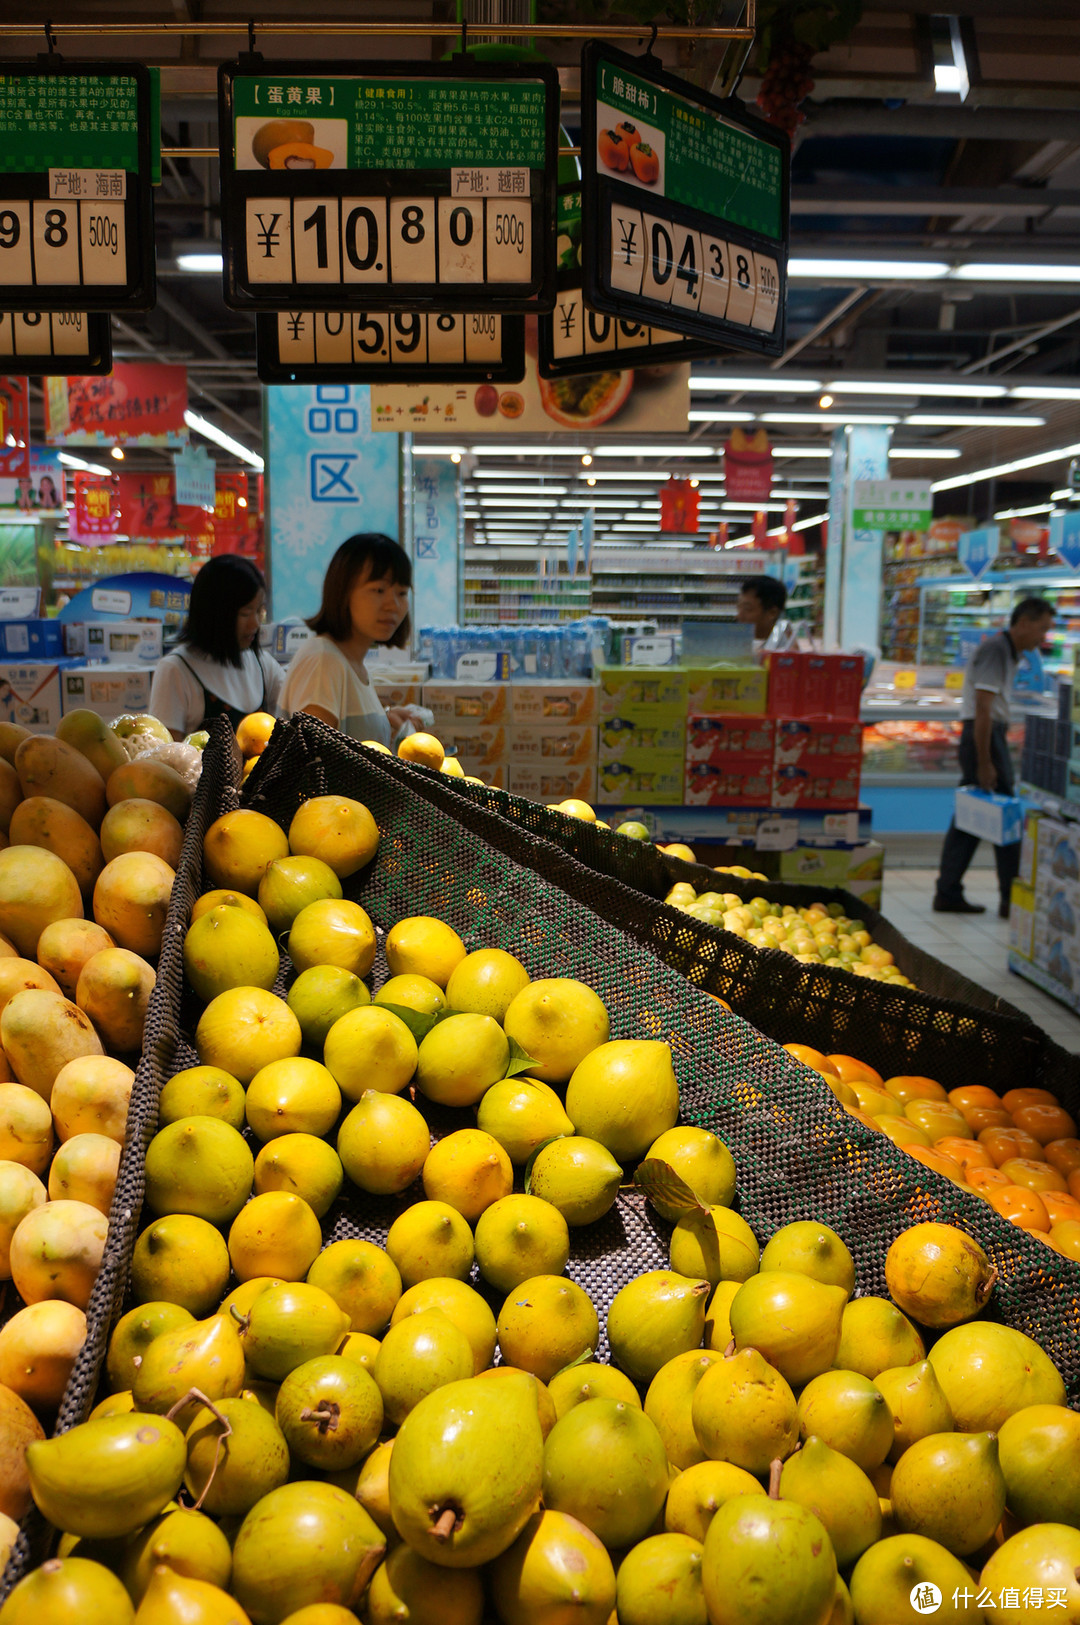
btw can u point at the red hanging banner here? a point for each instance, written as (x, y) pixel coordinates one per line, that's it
(137, 404)
(679, 507)
(96, 515)
(748, 463)
(14, 429)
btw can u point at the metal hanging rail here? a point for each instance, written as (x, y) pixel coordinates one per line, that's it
(554, 31)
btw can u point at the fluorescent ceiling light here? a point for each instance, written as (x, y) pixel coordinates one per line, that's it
(439, 451)
(202, 264)
(1015, 467)
(937, 454)
(797, 495)
(801, 451)
(210, 431)
(1046, 392)
(994, 271)
(626, 474)
(950, 80)
(754, 507)
(806, 268)
(1061, 496)
(704, 415)
(814, 519)
(971, 420)
(869, 386)
(88, 468)
(838, 420)
(512, 450)
(718, 383)
(522, 490)
(689, 450)
(1024, 513)
(536, 501)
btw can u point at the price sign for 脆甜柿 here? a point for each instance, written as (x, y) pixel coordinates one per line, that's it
(389, 347)
(685, 217)
(388, 186)
(576, 340)
(76, 211)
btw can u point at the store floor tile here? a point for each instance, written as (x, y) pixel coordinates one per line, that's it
(975, 944)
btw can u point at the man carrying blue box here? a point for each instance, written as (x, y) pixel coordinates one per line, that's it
(984, 750)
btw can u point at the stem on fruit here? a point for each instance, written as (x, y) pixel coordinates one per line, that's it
(243, 1321)
(226, 1430)
(325, 1415)
(775, 1469)
(445, 1524)
(729, 1352)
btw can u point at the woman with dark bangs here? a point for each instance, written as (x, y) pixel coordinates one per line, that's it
(365, 603)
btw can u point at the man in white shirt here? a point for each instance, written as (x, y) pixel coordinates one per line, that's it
(761, 604)
(984, 750)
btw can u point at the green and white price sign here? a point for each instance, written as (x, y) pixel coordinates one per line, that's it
(892, 505)
(76, 211)
(685, 220)
(391, 184)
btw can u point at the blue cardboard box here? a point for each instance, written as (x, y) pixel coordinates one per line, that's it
(38, 639)
(994, 818)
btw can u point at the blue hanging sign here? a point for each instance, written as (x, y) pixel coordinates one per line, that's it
(1065, 536)
(977, 549)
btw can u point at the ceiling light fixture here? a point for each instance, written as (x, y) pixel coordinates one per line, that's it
(202, 264)
(1046, 392)
(118, 453)
(1012, 271)
(830, 418)
(1015, 467)
(971, 420)
(1024, 513)
(703, 414)
(825, 402)
(719, 383)
(808, 268)
(586, 460)
(935, 454)
(88, 468)
(656, 451)
(455, 456)
(922, 386)
(210, 431)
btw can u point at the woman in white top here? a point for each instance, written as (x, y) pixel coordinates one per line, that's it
(217, 668)
(365, 602)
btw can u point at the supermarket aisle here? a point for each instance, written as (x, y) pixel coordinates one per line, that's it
(977, 945)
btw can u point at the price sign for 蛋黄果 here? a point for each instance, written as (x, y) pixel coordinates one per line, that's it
(76, 213)
(685, 217)
(388, 186)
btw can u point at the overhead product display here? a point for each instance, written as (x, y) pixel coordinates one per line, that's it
(34, 343)
(76, 211)
(398, 183)
(383, 347)
(685, 205)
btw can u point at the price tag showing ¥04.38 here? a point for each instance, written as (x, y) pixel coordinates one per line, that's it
(384, 347)
(76, 212)
(685, 216)
(72, 343)
(394, 183)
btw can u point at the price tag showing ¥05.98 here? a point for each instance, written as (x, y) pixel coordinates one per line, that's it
(76, 216)
(72, 343)
(685, 217)
(394, 183)
(360, 346)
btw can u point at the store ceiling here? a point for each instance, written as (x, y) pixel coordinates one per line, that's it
(936, 244)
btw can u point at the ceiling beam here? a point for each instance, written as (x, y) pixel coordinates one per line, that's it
(943, 123)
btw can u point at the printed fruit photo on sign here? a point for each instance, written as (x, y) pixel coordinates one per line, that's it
(586, 401)
(634, 151)
(291, 143)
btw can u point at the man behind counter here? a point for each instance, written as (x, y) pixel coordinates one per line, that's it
(761, 604)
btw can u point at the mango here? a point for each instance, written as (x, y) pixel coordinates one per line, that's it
(49, 767)
(148, 780)
(114, 991)
(18, 975)
(11, 793)
(65, 946)
(56, 1252)
(139, 825)
(41, 1033)
(84, 1169)
(89, 734)
(11, 737)
(36, 887)
(131, 899)
(43, 821)
(18, 1428)
(26, 1127)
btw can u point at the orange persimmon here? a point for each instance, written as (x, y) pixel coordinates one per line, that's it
(1046, 1123)
(1027, 1097)
(911, 1087)
(973, 1094)
(614, 152)
(1065, 1238)
(627, 132)
(853, 1071)
(645, 163)
(1060, 1205)
(968, 1153)
(811, 1057)
(979, 1117)
(1064, 1155)
(985, 1180)
(1020, 1206)
(1003, 1143)
(1033, 1174)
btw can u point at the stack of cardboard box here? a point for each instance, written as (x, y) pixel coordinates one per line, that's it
(537, 740)
(642, 734)
(1044, 923)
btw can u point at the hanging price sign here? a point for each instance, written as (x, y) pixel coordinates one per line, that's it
(576, 339)
(36, 343)
(76, 212)
(685, 219)
(393, 184)
(384, 347)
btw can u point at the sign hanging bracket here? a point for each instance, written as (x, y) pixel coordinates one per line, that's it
(251, 59)
(463, 44)
(649, 55)
(51, 57)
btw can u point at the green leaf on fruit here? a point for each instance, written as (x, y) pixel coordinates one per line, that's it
(529, 1165)
(661, 1183)
(519, 1061)
(419, 1022)
(586, 1357)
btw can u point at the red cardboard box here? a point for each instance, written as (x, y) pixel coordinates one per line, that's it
(710, 785)
(794, 787)
(815, 685)
(822, 745)
(729, 740)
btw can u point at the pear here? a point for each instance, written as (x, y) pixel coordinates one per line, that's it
(917, 1405)
(660, 1583)
(231, 1474)
(875, 1336)
(68, 1589)
(408, 1590)
(768, 1563)
(207, 1355)
(989, 1372)
(718, 1315)
(108, 1477)
(808, 1248)
(1039, 1450)
(718, 1245)
(604, 1464)
(950, 1488)
(667, 1404)
(885, 1577)
(850, 1413)
(420, 1354)
(790, 1319)
(289, 1324)
(555, 1570)
(133, 1334)
(1046, 1556)
(697, 1495)
(372, 1488)
(331, 1413)
(186, 1542)
(173, 1598)
(466, 1470)
(839, 1493)
(653, 1318)
(577, 1383)
(303, 1543)
(744, 1412)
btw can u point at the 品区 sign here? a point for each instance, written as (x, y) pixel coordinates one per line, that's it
(401, 184)
(576, 339)
(76, 213)
(383, 347)
(892, 505)
(137, 404)
(685, 205)
(977, 549)
(36, 343)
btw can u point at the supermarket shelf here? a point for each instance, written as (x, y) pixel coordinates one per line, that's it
(929, 780)
(1035, 974)
(1054, 806)
(945, 711)
(763, 828)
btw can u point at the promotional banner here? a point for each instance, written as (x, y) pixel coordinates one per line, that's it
(860, 593)
(436, 561)
(96, 514)
(137, 404)
(328, 477)
(39, 491)
(977, 549)
(679, 507)
(748, 466)
(14, 428)
(141, 506)
(194, 471)
(236, 525)
(134, 596)
(1065, 536)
